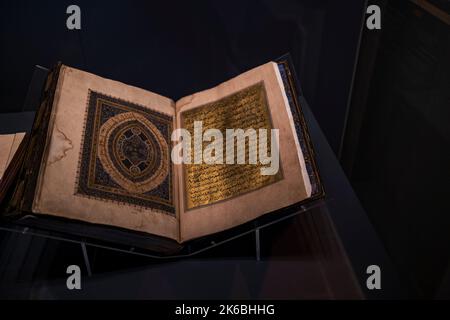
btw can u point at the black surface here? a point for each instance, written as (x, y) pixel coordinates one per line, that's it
(16, 122)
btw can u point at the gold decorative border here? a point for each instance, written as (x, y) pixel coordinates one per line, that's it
(268, 116)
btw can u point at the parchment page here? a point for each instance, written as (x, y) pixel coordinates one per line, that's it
(8, 147)
(238, 194)
(107, 158)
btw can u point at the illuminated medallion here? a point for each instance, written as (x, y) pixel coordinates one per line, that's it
(131, 150)
(124, 154)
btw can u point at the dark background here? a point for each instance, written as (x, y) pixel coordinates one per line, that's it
(396, 150)
(176, 48)
(383, 103)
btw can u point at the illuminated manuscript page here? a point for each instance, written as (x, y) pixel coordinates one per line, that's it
(206, 184)
(60, 173)
(217, 197)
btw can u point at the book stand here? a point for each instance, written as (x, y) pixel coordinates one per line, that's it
(104, 237)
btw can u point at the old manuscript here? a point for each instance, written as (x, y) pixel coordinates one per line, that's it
(209, 183)
(105, 154)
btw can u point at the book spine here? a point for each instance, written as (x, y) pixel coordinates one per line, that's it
(23, 195)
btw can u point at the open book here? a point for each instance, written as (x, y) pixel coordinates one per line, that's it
(103, 152)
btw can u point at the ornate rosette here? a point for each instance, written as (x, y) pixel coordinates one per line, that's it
(131, 150)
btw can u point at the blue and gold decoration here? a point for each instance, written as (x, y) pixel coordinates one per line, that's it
(125, 154)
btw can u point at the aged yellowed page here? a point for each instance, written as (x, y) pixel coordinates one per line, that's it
(107, 157)
(8, 147)
(6, 142)
(218, 197)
